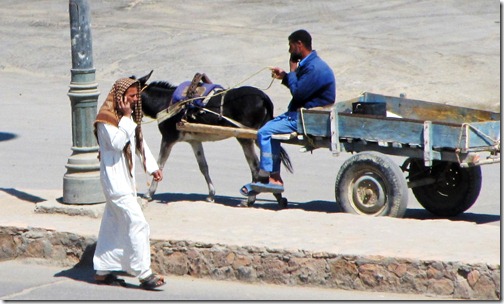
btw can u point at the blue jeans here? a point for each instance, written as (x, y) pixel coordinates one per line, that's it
(270, 148)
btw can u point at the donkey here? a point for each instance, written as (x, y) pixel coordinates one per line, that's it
(245, 105)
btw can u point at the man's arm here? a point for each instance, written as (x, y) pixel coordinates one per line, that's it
(151, 163)
(303, 85)
(116, 137)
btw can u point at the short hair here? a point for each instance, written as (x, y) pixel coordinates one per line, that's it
(303, 36)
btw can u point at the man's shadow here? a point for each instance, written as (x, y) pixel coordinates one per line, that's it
(83, 271)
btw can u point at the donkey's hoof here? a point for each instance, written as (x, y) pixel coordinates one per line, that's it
(246, 202)
(282, 204)
(210, 199)
(147, 197)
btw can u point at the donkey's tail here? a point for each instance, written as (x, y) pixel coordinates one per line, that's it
(284, 157)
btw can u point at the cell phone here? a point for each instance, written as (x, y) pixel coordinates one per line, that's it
(294, 58)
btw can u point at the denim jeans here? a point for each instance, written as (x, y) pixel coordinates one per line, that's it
(270, 148)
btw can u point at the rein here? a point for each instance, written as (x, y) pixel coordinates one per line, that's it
(165, 114)
(234, 122)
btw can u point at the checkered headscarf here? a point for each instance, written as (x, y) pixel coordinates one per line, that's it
(109, 114)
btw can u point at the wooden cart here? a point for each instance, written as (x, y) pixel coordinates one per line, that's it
(444, 147)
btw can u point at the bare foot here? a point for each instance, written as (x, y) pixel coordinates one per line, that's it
(276, 179)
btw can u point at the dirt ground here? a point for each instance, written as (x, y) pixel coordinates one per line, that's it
(441, 51)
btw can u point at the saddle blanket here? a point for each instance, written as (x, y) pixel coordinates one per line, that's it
(202, 91)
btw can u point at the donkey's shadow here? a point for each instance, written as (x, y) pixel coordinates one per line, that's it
(262, 202)
(317, 206)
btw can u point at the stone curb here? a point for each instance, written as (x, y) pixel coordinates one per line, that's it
(259, 264)
(89, 210)
(53, 207)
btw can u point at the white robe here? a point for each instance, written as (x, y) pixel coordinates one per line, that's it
(123, 241)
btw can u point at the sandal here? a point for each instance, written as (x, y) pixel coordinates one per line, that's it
(152, 282)
(267, 187)
(109, 279)
(247, 190)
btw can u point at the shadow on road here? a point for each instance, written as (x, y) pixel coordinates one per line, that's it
(86, 274)
(4, 136)
(234, 201)
(316, 206)
(23, 195)
(78, 273)
(83, 270)
(477, 218)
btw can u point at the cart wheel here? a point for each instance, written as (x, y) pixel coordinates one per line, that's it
(453, 190)
(370, 183)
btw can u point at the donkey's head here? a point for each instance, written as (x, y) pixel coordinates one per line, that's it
(155, 95)
(142, 80)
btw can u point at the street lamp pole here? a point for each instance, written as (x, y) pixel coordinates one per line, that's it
(81, 182)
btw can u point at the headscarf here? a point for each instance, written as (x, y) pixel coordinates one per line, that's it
(109, 114)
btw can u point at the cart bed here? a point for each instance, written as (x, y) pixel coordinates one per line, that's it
(408, 123)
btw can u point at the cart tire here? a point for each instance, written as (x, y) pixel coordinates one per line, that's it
(455, 190)
(370, 183)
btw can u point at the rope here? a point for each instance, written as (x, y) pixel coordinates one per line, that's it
(180, 103)
(236, 85)
(234, 122)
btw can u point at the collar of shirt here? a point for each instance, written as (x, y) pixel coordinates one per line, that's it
(306, 58)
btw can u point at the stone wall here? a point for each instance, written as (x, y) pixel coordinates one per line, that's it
(259, 264)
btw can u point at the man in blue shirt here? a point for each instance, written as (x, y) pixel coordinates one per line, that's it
(312, 84)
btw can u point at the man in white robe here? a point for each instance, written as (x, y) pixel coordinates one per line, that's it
(123, 242)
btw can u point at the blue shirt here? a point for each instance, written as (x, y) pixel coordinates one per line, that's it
(312, 84)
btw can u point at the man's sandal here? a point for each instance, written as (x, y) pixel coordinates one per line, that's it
(247, 190)
(152, 282)
(109, 279)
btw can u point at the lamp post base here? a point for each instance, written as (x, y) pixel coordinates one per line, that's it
(81, 182)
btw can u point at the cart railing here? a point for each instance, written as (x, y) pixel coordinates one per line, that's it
(463, 133)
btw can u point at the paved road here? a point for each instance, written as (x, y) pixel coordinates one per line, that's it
(32, 281)
(450, 56)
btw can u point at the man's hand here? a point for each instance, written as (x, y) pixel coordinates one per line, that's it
(293, 65)
(277, 73)
(157, 175)
(125, 107)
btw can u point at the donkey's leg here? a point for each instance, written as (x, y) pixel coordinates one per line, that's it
(282, 201)
(253, 162)
(251, 156)
(164, 153)
(197, 147)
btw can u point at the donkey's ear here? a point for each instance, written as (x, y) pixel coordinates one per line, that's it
(143, 80)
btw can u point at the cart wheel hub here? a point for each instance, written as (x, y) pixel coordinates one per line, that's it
(368, 194)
